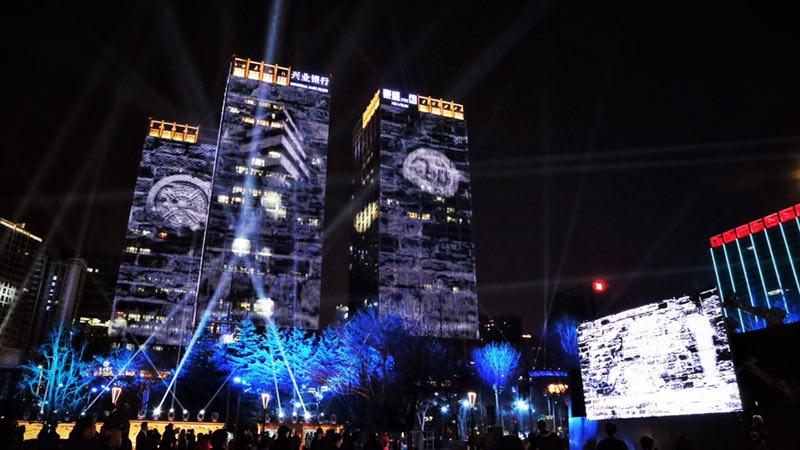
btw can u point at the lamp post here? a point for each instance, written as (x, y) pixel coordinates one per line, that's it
(522, 408)
(265, 397)
(444, 410)
(472, 397)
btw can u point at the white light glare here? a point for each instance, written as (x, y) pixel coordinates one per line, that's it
(240, 246)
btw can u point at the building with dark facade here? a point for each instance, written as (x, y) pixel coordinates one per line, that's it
(60, 293)
(263, 245)
(412, 253)
(501, 328)
(158, 275)
(756, 270)
(21, 263)
(98, 290)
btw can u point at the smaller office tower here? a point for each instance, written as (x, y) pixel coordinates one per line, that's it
(756, 270)
(412, 254)
(61, 291)
(21, 261)
(157, 282)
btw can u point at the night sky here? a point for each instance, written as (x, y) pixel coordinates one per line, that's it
(607, 139)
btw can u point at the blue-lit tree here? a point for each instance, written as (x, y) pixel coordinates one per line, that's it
(565, 335)
(294, 352)
(356, 360)
(58, 378)
(496, 364)
(274, 360)
(355, 357)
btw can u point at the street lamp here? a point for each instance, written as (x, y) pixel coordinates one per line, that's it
(472, 397)
(116, 391)
(522, 408)
(265, 397)
(444, 409)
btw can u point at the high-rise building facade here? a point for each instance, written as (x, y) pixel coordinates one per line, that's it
(756, 270)
(412, 254)
(263, 246)
(60, 293)
(158, 275)
(21, 261)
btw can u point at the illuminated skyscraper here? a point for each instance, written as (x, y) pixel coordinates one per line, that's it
(263, 246)
(412, 253)
(756, 269)
(157, 282)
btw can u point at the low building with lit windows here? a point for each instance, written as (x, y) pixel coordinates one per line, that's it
(21, 263)
(412, 254)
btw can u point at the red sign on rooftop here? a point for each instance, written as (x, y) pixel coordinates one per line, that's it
(756, 226)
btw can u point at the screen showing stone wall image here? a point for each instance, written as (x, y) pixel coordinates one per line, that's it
(663, 359)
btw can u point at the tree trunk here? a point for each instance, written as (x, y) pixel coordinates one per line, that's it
(497, 413)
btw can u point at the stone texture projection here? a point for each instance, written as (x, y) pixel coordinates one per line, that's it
(263, 251)
(412, 251)
(663, 359)
(157, 281)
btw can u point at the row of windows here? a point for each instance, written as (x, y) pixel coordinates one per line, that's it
(262, 122)
(242, 170)
(264, 104)
(137, 250)
(366, 216)
(146, 318)
(7, 293)
(261, 162)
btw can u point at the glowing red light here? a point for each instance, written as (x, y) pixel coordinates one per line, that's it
(757, 226)
(729, 236)
(599, 286)
(786, 214)
(742, 231)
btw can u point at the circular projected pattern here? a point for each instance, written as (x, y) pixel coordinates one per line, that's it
(180, 201)
(432, 172)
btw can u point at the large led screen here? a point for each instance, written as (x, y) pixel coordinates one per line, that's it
(663, 359)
